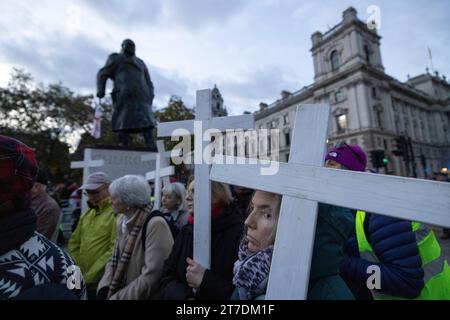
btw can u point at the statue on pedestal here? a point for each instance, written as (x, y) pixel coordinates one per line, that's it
(132, 95)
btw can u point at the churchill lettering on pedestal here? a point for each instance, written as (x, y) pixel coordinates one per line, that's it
(132, 94)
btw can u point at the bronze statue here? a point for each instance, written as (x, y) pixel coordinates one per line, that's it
(132, 95)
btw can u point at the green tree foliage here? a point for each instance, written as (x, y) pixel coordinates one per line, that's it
(33, 107)
(176, 110)
(44, 117)
(52, 154)
(49, 117)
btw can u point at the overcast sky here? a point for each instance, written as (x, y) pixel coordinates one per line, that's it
(252, 49)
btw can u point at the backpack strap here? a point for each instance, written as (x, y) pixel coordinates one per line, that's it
(154, 213)
(366, 226)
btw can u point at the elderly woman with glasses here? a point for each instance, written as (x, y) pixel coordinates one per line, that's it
(135, 268)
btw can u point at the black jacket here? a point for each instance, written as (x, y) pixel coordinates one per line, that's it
(227, 231)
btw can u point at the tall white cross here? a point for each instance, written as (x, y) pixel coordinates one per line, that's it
(202, 227)
(162, 170)
(86, 165)
(304, 182)
(156, 176)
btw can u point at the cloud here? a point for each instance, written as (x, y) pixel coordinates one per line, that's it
(257, 85)
(251, 49)
(74, 62)
(131, 12)
(200, 13)
(193, 14)
(166, 85)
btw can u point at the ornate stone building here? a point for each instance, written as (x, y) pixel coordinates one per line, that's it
(217, 107)
(369, 107)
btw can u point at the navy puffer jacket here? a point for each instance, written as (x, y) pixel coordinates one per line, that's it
(394, 243)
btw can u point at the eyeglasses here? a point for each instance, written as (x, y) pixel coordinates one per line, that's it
(343, 144)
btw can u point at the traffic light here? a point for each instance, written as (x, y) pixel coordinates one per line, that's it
(401, 146)
(379, 159)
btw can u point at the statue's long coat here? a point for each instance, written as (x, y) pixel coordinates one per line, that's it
(132, 94)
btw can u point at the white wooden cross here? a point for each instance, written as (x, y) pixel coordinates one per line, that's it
(202, 195)
(162, 170)
(86, 165)
(304, 182)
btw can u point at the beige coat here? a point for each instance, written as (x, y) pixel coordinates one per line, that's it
(144, 269)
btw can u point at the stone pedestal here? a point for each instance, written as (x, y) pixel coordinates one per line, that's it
(117, 162)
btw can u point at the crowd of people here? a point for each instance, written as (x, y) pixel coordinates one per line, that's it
(125, 250)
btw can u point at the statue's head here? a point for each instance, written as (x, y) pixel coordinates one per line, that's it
(128, 47)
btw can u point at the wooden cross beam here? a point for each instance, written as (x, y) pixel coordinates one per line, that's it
(202, 226)
(157, 175)
(162, 170)
(86, 165)
(304, 182)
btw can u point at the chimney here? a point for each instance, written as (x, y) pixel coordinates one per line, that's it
(349, 15)
(263, 106)
(316, 38)
(285, 94)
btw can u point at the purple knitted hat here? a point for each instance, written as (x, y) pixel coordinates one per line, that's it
(350, 156)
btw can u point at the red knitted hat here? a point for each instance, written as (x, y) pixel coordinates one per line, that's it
(18, 168)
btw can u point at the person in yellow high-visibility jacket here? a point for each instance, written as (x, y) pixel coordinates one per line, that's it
(407, 253)
(92, 242)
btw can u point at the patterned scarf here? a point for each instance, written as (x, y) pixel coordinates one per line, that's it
(251, 271)
(120, 261)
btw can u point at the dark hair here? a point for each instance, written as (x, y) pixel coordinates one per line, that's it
(42, 176)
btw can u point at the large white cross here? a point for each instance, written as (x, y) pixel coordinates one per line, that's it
(86, 165)
(162, 170)
(304, 182)
(156, 176)
(202, 227)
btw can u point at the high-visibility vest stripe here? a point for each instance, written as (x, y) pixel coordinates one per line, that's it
(436, 268)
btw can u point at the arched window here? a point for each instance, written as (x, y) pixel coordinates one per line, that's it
(334, 60)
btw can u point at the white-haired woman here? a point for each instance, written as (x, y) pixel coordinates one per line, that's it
(135, 268)
(174, 205)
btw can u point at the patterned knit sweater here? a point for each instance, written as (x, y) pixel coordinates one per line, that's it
(36, 262)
